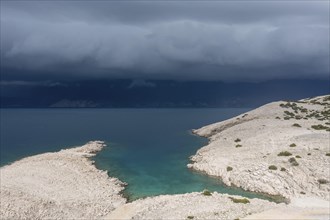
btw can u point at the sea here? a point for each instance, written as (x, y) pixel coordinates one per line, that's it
(146, 148)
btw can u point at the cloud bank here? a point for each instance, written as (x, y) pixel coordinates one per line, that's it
(231, 41)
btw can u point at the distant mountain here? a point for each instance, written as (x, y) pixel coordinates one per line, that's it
(154, 93)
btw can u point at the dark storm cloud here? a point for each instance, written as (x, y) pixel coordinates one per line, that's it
(240, 40)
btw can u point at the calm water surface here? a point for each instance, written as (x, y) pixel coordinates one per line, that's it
(147, 148)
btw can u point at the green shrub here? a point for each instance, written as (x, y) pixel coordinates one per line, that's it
(296, 125)
(235, 200)
(272, 167)
(229, 168)
(238, 145)
(190, 217)
(237, 140)
(322, 181)
(206, 192)
(277, 117)
(293, 161)
(327, 154)
(297, 156)
(320, 127)
(284, 153)
(283, 169)
(293, 145)
(327, 98)
(290, 114)
(309, 154)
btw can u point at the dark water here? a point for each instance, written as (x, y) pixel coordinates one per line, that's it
(147, 148)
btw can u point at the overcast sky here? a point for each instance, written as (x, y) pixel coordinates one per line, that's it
(180, 40)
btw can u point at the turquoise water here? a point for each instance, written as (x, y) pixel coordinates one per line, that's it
(147, 148)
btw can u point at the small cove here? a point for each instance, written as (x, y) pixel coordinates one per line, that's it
(147, 148)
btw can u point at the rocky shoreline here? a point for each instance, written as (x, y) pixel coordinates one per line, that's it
(60, 185)
(281, 148)
(274, 149)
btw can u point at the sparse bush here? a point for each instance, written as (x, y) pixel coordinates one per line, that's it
(229, 168)
(293, 145)
(283, 169)
(297, 156)
(290, 114)
(190, 217)
(320, 127)
(298, 117)
(236, 200)
(206, 192)
(303, 193)
(284, 153)
(327, 98)
(278, 117)
(293, 161)
(322, 181)
(296, 125)
(327, 154)
(237, 140)
(238, 145)
(309, 154)
(272, 167)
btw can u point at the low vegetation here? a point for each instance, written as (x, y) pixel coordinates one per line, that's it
(206, 192)
(229, 168)
(293, 145)
(296, 125)
(320, 127)
(327, 154)
(322, 181)
(238, 145)
(272, 167)
(297, 156)
(284, 153)
(293, 161)
(283, 169)
(326, 99)
(237, 140)
(236, 200)
(190, 217)
(300, 112)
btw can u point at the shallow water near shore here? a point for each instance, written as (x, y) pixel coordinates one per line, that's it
(147, 148)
